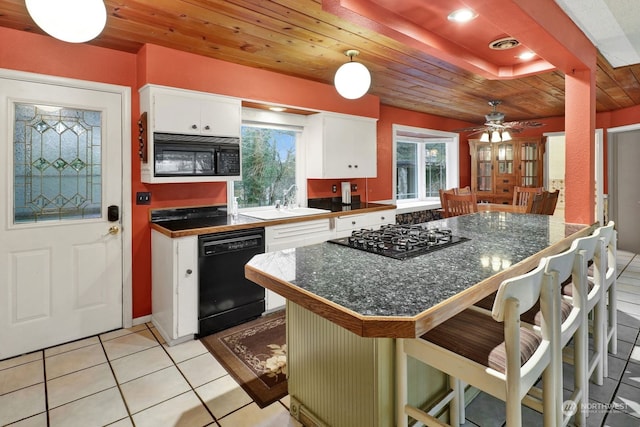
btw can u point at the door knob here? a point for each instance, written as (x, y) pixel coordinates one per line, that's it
(114, 229)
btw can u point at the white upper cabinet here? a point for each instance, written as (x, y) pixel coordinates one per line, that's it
(176, 111)
(184, 112)
(341, 146)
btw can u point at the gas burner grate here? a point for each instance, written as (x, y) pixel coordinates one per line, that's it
(400, 241)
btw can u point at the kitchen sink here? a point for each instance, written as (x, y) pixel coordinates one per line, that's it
(273, 213)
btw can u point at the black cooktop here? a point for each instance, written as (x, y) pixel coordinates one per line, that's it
(188, 218)
(400, 241)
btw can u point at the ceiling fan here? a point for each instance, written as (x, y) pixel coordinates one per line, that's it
(495, 129)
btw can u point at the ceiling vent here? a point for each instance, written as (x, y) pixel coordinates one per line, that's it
(504, 44)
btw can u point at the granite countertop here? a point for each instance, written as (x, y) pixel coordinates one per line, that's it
(222, 223)
(374, 295)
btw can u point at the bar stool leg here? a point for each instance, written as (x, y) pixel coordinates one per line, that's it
(613, 319)
(401, 379)
(600, 340)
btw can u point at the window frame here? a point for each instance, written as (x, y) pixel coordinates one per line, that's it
(424, 135)
(283, 121)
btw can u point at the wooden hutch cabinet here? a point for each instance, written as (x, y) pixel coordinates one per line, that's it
(497, 167)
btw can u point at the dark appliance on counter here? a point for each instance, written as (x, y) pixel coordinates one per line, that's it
(400, 241)
(195, 155)
(177, 219)
(226, 297)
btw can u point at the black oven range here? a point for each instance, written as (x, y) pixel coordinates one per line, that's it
(400, 241)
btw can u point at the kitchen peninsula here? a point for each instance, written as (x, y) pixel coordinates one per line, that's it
(345, 307)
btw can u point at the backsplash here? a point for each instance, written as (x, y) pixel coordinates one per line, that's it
(418, 217)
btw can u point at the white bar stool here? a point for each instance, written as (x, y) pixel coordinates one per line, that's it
(492, 353)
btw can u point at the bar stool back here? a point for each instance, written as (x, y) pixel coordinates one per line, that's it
(492, 353)
(559, 268)
(609, 238)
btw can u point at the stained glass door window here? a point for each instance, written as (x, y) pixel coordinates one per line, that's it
(57, 163)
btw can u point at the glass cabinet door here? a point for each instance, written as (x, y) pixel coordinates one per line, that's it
(529, 165)
(484, 168)
(505, 158)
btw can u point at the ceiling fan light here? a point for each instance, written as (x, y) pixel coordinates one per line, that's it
(485, 137)
(506, 136)
(495, 136)
(352, 80)
(73, 21)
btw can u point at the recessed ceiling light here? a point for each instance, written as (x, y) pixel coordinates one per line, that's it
(462, 15)
(525, 56)
(278, 109)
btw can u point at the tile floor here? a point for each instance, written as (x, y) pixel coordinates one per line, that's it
(128, 377)
(125, 378)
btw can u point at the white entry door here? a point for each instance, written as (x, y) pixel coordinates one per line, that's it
(61, 246)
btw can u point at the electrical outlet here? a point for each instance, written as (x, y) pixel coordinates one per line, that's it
(354, 187)
(143, 198)
(334, 188)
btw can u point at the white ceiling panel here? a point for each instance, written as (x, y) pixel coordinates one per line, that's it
(613, 26)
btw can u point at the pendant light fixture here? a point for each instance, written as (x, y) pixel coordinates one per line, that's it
(352, 80)
(73, 21)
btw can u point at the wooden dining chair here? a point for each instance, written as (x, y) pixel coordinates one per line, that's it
(462, 190)
(522, 195)
(490, 352)
(459, 204)
(456, 190)
(550, 201)
(443, 205)
(534, 205)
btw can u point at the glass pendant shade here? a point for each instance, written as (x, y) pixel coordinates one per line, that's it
(506, 136)
(352, 80)
(484, 137)
(495, 136)
(73, 21)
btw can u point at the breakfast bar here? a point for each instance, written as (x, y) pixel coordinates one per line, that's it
(345, 306)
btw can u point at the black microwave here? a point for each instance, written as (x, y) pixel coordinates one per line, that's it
(195, 155)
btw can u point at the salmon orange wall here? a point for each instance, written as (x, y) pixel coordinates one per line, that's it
(44, 55)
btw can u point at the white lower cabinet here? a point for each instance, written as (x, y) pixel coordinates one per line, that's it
(344, 225)
(174, 267)
(174, 289)
(290, 236)
(286, 236)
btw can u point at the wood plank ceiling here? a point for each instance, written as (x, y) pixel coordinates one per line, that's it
(298, 38)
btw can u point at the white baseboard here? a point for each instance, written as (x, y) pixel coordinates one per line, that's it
(141, 320)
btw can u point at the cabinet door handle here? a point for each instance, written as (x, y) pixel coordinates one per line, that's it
(349, 166)
(353, 223)
(355, 166)
(207, 127)
(189, 271)
(194, 127)
(382, 218)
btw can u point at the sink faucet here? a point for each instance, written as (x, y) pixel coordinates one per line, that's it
(287, 200)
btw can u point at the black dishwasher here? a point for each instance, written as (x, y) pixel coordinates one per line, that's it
(226, 297)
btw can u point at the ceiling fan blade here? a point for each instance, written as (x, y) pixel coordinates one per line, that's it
(523, 124)
(495, 123)
(474, 129)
